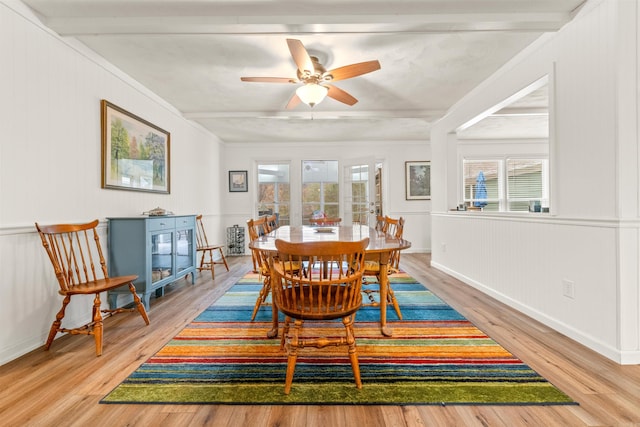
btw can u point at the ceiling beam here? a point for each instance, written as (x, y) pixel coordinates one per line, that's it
(116, 24)
(99, 17)
(320, 115)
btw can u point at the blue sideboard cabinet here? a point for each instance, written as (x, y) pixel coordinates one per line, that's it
(159, 249)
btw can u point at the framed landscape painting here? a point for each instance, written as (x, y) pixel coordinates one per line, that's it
(135, 152)
(418, 180)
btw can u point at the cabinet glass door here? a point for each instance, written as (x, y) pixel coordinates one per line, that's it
(161, 256)
(184, 247)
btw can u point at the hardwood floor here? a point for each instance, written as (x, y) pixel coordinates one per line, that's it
(62, 387)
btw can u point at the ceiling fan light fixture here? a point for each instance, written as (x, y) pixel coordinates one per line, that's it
(311, 93)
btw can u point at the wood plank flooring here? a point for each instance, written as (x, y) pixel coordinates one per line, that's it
(62, 387)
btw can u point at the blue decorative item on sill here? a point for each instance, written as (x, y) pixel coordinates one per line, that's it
(481, 191)
(534, 206)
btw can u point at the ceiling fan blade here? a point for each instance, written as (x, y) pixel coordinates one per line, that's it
(340, 95)
(269, 79)
(293, 102)
(300, 55)
(353, 70)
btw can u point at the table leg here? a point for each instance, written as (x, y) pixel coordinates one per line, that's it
(384, 289)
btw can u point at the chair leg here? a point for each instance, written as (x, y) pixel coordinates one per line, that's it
(394, 301)
(55, 326)
(224, 260)
(262, 297)
(353, 355)
(97, 324)
(292, 355)
(138, 302)
(201, 262)
(207, 265)
(211, 264)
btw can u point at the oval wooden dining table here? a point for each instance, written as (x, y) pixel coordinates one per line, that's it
(380, 247)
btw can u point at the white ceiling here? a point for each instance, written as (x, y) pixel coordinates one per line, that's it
(193, 53)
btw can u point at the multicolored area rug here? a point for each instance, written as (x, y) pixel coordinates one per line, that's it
(435, 356)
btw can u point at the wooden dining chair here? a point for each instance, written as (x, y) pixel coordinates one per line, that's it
(262, 264)
(256, 228)
(319, 294)
(207, 251)
(79, 265)
(395, 228)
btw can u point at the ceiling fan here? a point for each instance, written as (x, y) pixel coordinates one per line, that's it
(315, 78)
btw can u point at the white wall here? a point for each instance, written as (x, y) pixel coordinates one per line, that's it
(50, 166)
(238, 207)
(591, 237)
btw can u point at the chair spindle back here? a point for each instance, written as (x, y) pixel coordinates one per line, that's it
(201, 235)
(329, 286)
(75, 252)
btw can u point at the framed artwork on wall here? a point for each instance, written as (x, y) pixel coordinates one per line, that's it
(418, 180)
(238, 181)
(135, 152)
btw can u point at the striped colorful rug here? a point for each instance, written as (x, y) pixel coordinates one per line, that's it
(436, 356)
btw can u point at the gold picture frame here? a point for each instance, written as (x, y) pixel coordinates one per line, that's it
(135, 152)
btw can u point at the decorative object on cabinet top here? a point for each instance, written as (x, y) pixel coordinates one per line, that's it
(157, 212)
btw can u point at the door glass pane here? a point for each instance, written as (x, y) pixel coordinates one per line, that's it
(184, 250)
(274, 191)
(359, 192)
(161, 258)
(320, 189)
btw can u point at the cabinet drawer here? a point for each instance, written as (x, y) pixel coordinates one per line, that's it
(185, 221)
(156, 224)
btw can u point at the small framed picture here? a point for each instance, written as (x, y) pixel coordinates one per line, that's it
(418, 180)
(238, 181)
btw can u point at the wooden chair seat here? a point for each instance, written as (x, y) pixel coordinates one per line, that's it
(99, 285)
(79, 265)
(318, 294)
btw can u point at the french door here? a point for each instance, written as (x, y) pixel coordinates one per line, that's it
(359, 191)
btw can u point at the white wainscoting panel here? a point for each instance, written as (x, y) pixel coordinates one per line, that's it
(529, 263)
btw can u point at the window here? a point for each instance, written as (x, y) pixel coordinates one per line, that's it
(483, 184)
(274, 194)
(320, 188)
(526, 184)
(511, 184)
